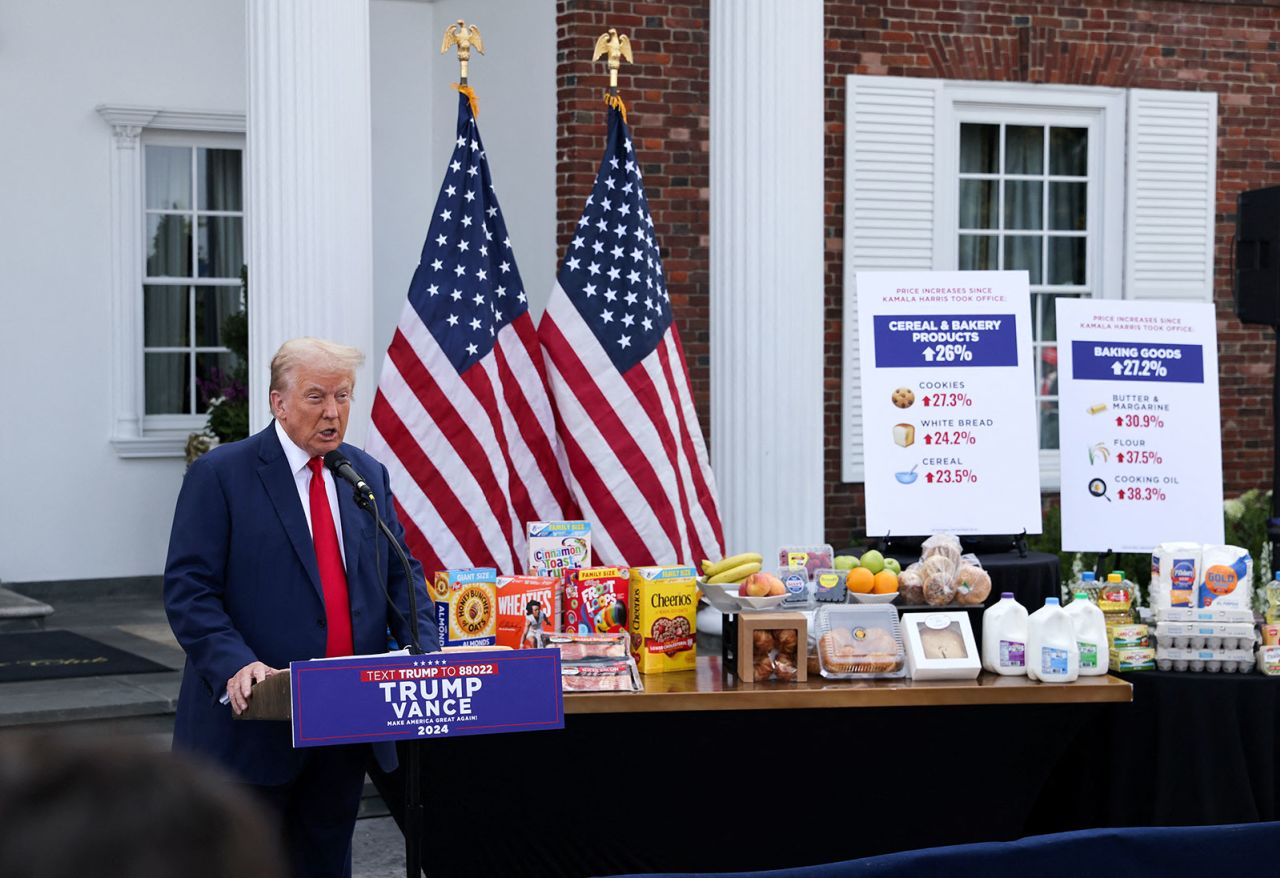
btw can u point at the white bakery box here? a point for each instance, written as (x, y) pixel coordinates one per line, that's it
(940, 646)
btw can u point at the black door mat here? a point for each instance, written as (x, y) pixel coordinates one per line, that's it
(50, 655)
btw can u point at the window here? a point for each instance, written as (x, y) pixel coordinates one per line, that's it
(194, 246)
(1093, 191)
(177, 247)
(1023, 194)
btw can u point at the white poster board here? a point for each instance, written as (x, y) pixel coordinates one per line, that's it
(1139, 424)
(948, 402)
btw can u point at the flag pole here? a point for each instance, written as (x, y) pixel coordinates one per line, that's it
(466, 37)
(616, 48)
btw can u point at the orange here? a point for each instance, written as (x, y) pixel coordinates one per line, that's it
(886, 582)
(860, 580)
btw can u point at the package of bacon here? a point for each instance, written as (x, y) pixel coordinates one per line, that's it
(607, 676)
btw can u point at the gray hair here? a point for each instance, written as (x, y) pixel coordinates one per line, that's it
(319, 353)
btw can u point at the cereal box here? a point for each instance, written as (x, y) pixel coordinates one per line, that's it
(661, 614)
(595, 600)
(528, 610)
(556, 546)
(466, 606)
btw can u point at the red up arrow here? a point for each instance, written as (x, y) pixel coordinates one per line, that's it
(928, 477)
(926, 401)
(927, 439)
(1119, 422)
(1120, 457)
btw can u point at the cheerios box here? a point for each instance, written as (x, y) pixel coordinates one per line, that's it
(595, 600)
(466, 606)
(661, 618)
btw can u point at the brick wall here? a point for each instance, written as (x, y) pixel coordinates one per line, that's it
(666, 92)
(1232, 48)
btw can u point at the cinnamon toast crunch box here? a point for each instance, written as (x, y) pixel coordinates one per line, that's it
(662, 618)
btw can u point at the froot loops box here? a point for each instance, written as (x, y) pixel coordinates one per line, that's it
(662, 618)
(466, 606)
(595, 600)
(557, 546)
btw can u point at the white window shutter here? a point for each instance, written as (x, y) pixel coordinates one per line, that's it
(1171, 190)
(890, 168)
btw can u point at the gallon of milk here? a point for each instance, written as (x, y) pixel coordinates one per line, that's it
(1004, 637)
(1052, 653)
(1091, 634)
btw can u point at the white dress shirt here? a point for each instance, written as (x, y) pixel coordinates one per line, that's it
(298, 459)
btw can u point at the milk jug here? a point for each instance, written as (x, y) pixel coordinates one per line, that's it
(1004, 637)
(1091, 634)
(1052, 653)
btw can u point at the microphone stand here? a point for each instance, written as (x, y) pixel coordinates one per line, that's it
(413, 810)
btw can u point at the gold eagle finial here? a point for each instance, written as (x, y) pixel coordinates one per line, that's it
(466, 37)
(617, 48)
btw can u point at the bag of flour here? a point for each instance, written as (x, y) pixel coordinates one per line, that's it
(1227, 578)
(1175, 574)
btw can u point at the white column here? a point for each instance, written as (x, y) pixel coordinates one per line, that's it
(767, 270)
(309, 186)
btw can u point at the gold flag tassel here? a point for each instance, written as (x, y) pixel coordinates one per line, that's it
(616, 48)
(471, 99)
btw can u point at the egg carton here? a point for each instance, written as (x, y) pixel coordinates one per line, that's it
(1226, 661)
(1203, 614)
(1206, 635)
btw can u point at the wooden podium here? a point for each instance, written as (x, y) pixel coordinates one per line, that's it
(271, 699)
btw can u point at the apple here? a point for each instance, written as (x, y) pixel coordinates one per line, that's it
(892, 564)
(873, 561)
(742, 588)
(846, 562)
(757, 585)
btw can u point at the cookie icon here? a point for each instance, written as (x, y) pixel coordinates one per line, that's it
(903, 397)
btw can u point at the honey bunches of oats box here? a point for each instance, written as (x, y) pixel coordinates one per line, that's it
(466, 606)
(661, 618)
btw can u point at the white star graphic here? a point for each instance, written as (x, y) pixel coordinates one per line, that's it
(478, 298)
(484, 251)
(583, 221)
(602, 226)
(647, 324)
(455, 165)
(457, 295)
(613, 162)
(597, 247)
(462, 141)
(572, 264)
(521, 296)
(630, 298)
(481, 275)
(436, 265)
(633, 276)
(627, 320)
(637, 253)
(470, 196)
(610, 295)
(501, 291)
(475, 322)
(472, 171)
(449, 190)
(463, 246)
(453, 319)
(606, 316)
(471, 349)
(506, 242)
(492, 211)
(624, 209)
(608, 181)
(617, 252)
(441, 240)
(505, 266)
(475, 145)
(577, 242)
(624, 341)
(590, 290)
(619, 230)
(627, 188)
(613, 273)
(606, 205)
(446, 215)
(594, 268)
(433, 290)
(466, 222)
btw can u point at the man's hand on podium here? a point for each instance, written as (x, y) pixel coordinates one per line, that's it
(240, 686)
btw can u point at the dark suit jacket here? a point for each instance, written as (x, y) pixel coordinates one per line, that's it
(241, 584)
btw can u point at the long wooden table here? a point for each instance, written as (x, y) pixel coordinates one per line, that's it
(709, 688)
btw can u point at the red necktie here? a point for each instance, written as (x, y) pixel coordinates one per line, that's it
(333, 576)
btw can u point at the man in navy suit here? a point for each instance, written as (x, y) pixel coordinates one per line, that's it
(270, 562)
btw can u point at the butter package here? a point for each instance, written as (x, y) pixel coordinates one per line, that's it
(1128, 636)
(595, 600)
(1269, 660)
(661, 618)
(1227, 578)
(466, 606)
(557, 546)
(1133, 659)
(528, 610)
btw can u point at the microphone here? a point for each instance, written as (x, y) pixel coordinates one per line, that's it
(338, 464)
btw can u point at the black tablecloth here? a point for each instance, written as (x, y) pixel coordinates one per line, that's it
(1191, 749)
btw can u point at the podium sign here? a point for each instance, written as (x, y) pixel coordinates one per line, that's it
(367, 699)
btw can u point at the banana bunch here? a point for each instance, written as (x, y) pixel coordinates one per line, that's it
(731, 570)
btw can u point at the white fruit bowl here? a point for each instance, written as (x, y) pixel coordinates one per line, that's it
(725, 598)
(858, 598)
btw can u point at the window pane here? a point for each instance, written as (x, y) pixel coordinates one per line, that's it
(213, 377)
(168, 177)
(164, 316)
(1048, 424)
(1023, 207)
(979, 149)
(1069, 152)
(1066, 261)
(1024, 150)
(168, 246)
(1067, 206)
(213, 304)
(1047, 328)
(167, 384)
(978, 253)
(1023, 251)
(218, 172)
(220, 246)
(978, 204)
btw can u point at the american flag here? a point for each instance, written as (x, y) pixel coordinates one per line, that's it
(461, 418)
(624, 412)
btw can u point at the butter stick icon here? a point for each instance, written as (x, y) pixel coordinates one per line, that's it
(1100, 407)
(904, 435)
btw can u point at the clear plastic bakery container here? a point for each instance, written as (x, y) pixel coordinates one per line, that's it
(862, 641)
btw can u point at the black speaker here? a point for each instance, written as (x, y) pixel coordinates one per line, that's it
(1257, 256)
